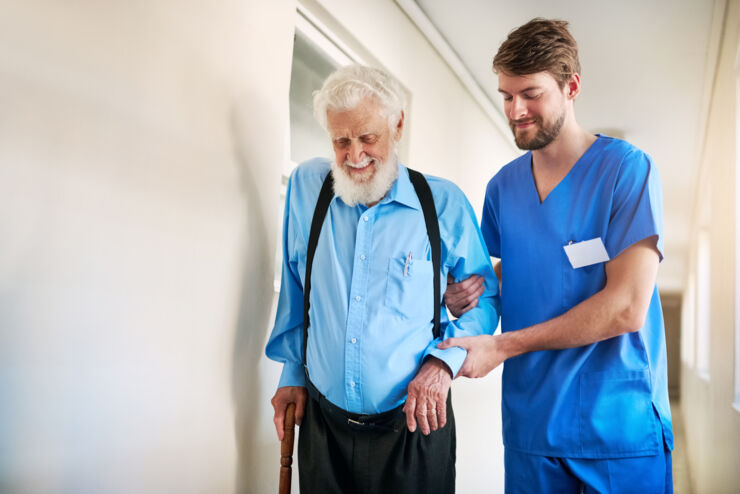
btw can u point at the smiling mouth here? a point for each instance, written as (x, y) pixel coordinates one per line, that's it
(360, 166)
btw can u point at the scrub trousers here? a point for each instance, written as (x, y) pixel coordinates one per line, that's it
(340, 452)
(532, 474)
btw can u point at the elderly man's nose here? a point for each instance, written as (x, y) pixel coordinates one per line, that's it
(356, 152)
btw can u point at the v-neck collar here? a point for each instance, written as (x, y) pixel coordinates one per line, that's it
(530, 171)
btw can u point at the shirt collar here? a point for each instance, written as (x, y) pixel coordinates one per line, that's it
(402, 190)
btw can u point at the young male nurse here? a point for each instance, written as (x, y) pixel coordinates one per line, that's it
(577, 224)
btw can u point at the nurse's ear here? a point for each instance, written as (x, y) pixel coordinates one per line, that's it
(573, 87)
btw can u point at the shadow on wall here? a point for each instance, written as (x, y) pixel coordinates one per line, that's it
(256, 293)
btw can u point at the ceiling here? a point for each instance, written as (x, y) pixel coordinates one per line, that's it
(647, 70)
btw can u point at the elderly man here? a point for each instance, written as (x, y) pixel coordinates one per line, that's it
(358, 318)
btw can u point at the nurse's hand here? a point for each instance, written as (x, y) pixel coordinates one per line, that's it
(426, 404)
(284, 396)
(463, 296)
(484, 354)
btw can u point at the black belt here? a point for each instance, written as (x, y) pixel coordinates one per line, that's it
(390, 421)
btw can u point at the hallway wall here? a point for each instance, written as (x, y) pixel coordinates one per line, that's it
(140, 152)
(712, 423)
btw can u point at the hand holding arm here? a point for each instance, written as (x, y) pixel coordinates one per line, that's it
(484, 353)
(463, 296)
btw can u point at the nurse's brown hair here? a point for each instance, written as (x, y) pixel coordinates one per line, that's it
(540, 45)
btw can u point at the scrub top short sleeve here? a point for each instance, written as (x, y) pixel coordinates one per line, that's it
(637, 210)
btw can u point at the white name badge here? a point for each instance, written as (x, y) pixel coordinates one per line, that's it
(586, 253)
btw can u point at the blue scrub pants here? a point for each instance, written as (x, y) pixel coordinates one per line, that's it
(531, 474)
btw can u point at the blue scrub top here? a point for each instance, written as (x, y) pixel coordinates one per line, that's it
(607, 399)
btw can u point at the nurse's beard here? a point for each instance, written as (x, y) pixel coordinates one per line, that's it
(544, 136)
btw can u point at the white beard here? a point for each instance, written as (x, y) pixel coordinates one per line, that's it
(361, 191)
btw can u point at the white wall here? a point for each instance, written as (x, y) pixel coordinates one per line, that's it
(140, 151)
(712, 424)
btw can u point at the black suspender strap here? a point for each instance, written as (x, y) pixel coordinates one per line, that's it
(319, 213)
(424, 193)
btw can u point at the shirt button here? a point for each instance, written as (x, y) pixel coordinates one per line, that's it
(358, 298)
(365, 218)
(363, 257)
(351, 384)
(354, 340)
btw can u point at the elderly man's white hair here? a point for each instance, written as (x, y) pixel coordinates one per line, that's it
(349, 86)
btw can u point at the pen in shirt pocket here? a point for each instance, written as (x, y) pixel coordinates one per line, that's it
(406, 265)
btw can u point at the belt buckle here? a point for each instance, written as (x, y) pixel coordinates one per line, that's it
(360, 423)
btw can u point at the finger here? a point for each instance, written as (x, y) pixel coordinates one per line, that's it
(474, 283)
(480, 290)
(451, 342)
(463, 286)
(472, 296)
(432, 419)
(421, 419)
(471, 305)
(471, 281)
(442, 412)
(300, 408)
(456, 301)
(450, 279)
(279, 419)
(448, 343)
(410, 408)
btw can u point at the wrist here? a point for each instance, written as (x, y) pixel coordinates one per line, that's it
(440, 365)
(508, 345)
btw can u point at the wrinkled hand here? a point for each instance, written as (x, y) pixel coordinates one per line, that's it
(463, 296)
(427, 400)
(484, 354)
(284, 396)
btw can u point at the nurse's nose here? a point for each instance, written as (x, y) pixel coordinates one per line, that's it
(518, 108)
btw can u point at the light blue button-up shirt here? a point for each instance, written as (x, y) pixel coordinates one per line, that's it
(372, 293)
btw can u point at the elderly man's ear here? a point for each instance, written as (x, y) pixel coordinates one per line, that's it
(399, 128)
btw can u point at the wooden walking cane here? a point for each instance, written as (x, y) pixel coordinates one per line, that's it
(286, 450)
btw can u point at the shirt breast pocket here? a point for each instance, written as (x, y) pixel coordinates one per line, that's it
(409, 291)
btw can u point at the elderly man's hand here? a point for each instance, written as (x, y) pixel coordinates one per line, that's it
(284, 396)
(463, 296)
(427, 400)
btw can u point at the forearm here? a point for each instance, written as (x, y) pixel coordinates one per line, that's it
(620, 307)
(602, 316)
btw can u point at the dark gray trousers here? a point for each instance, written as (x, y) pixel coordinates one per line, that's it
(344, 453)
